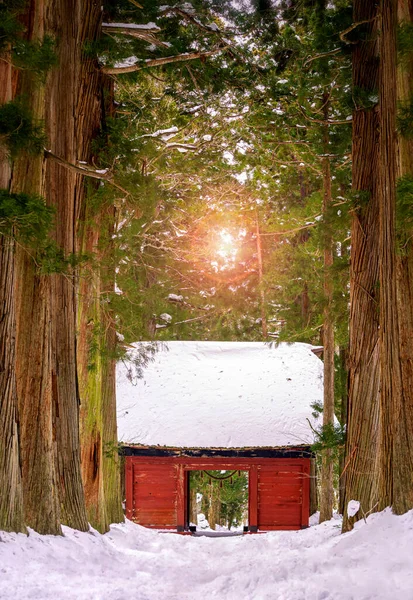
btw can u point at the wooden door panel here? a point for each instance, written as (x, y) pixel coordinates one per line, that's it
(154, 495)
(280, 497)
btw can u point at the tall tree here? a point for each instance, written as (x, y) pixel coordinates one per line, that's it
(11, 498)
(403, 438)
(327, 466)
(390, 388)
(364, 368)
(33, 331)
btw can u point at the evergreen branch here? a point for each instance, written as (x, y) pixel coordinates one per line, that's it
(158, 62)
(188, 17)
(343, 34)
(194, 319)
(87, 171)
(324, 121)
(290, 230)
(321, 55)
(312, 428)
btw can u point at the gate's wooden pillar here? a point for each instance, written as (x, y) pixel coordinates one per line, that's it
(129, 488)
(305, 512)
(180, 499)
(253, 499)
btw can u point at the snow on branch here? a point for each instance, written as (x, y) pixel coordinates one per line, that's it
(157, 62)
(86, 170)
(149, 27)
(143, 32)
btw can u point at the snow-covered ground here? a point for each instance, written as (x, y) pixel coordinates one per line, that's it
(374, 562)
(222, 394)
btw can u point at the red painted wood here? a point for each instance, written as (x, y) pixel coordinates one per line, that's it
(154, 494)
(305, 516)
(279, 490)
(279, 528)
(129, 487)
(180, 497)
(253, 497)
(280, 496)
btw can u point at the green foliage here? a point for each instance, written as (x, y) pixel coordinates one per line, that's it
(317, 408)
(359, 198)
(111, 450)
(233, 494)
(25, 216)
(178, 183)
(330, 437)
(10, 27)
(365, 99)
(138, 359)
(405, 119)
(51, 259)
(18, 131)
(404, 212)
(404, 204)
(405, 40)
(35, 56)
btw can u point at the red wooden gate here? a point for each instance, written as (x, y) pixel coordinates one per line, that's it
(279, 490)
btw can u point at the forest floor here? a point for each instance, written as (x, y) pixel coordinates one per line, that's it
(373, 562)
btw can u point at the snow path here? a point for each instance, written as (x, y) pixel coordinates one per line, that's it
(374, 562)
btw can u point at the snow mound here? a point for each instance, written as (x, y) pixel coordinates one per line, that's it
(373, 562)
(222, 394)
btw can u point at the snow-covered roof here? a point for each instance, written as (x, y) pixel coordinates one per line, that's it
(222, 394)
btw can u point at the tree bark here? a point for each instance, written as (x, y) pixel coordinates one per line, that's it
(111, 462)
(11, 496)
(264, 326)
(66, 19)
(403, 433)
(214, 505)
(343, 351)
(364, 373)
(327, 466)
(193, 506)
(33, 335)
(96, 336)
(390, 395)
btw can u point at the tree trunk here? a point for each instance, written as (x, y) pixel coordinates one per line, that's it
(193, 516)
(364, 373)
(390, 395)
(214, 505)
(327, 465)
(260, 280)
(90, 352)
(33, 335)
(343, 351)
(111, 462)
(11, 496)
(97, 338)
(66, 19)
(403, 431)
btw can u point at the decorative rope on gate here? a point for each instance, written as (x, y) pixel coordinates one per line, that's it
(218, 478)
